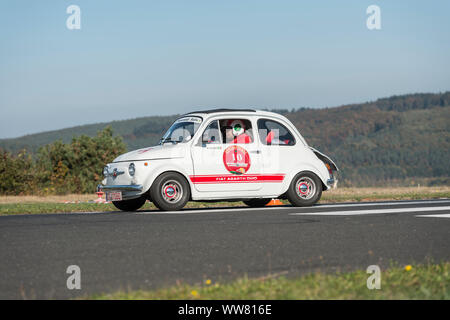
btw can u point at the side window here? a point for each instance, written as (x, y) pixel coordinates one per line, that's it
(274, 133)
(212, 133)
(236, 131)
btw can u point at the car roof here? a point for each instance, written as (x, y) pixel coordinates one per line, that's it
(222, 110)
(210, 112)
(205, 114)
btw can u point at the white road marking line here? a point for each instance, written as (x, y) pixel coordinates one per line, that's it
(444, 215)
(319, 206)
(371, 211)
(167, 213)
(213, 210)
(206, 210)
(378, 204)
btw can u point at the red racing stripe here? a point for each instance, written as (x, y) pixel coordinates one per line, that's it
(231, 178)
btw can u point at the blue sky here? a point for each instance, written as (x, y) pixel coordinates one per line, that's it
(139, 58)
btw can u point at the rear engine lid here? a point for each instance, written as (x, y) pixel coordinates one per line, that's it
(325, 159)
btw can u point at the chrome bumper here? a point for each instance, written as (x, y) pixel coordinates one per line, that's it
(332, 183)
(131, 187)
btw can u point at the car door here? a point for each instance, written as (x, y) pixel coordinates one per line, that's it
(219, 166)
(278, 150)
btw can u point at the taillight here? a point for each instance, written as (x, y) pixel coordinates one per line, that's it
(329, 169)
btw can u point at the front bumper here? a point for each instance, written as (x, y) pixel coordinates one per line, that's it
(129, 191)
(123, 188)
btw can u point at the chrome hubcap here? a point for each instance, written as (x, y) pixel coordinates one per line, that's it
(171, 191)
(305, 188)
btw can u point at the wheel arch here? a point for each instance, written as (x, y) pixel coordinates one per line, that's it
(324, 187)
(185, 176)
(305, 168)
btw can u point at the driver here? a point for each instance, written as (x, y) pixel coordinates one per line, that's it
(235, 132)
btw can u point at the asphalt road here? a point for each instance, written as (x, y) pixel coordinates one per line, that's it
(150, 249)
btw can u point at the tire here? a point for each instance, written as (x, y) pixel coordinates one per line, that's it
(256, 203)
(305, 189)
(130, 205)
(170, 191)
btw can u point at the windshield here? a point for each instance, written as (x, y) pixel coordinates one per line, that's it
(182, 130)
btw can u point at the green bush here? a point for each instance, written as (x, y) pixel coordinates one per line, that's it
(60, 168)
(16, 173)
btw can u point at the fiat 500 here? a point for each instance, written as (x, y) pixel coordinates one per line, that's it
(221, 154)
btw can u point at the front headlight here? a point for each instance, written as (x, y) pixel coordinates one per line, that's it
(106, 171)
(131, 169)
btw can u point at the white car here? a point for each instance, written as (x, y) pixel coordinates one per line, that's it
(221, 154)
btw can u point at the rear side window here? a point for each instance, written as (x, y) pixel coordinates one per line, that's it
(273, 133)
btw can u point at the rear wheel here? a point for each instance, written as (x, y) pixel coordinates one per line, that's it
(305, 189)
(170, 191)
(256, 203)
(130, 205)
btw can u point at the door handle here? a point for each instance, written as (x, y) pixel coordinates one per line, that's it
(255, 151)
(212, 147)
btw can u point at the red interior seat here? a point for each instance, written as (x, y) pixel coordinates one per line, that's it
(270, 137)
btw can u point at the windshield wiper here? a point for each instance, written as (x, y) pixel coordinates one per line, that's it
(162, 140)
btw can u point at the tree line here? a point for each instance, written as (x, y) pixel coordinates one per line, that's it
(60, 168)
(401, 140)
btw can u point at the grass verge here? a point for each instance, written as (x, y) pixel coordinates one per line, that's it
(55, 204)
(53, 207)
(385, 194)
(431, 281)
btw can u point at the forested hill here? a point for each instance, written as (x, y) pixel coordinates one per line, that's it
(401, 139)
(398, 140)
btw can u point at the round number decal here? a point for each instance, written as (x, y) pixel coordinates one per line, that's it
(236, 159)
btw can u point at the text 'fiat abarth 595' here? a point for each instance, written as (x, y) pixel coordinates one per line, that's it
(221, 154)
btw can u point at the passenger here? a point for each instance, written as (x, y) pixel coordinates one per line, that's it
(236, 133)
(229, 136)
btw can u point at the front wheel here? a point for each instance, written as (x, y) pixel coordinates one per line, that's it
(130, 205)
(256, 203)
(170, 191)
(305, 189)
